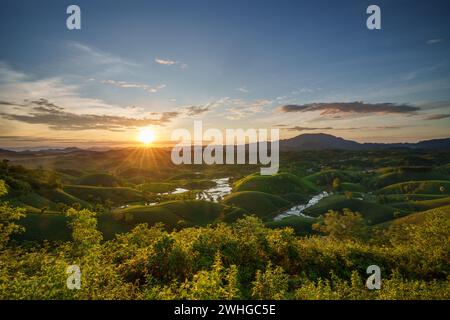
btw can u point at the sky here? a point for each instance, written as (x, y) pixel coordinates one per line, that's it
(300, 66)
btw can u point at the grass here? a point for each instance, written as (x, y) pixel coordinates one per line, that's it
(39, 227)
(278, 184)
(119, 195)
(99, 180)
(173, 214)
(394, 175)
(33, 202)
(372, 212)
(301, 225)
(353, 187)
(325, 178)
(422, 205)
(258, 203)
(416, 218)
(434, 187)
(157, 187)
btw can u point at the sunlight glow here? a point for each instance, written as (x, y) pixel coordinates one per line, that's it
(146, 136)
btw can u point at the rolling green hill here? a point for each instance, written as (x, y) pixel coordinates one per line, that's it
(258, 203)
(173, 214)
(277, 184)
(119, 195)
(434, 187)
(416, 218)
(49, 198)
(421, 205)
(394, 175)
(373, 213)
(301, 225)
(99, 180)
(326, 177)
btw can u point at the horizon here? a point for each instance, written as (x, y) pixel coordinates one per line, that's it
(105, 146)
(161, 66)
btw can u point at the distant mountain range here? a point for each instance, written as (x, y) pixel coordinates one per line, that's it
(322, 141)
(317, 141)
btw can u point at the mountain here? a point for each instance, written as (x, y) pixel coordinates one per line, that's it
(319, 141)
(322, 141)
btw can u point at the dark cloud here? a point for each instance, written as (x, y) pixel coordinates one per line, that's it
(298, 128)
(334, 108)
(10, 103)
(57, 118)
(437, 116)
(196, 110)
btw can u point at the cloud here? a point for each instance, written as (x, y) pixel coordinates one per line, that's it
(99, 56)
(300, 128)
(242, 89)
(168, 62)
(437, 116)
(165, 62)
(17, 87)
(127, 85)
(56, 117)
(305, 90)
(238, 109)
(335, 108)
(196, 110)
(433, 41)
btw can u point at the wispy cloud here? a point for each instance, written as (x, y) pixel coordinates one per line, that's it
(99, 56)
(305, 90)
(56, 117)
(237, 109)
(437, 116)
(165, 62)
(169, 62)
(127, 85)
(300, 128)
(333, 108)
(16, 86)
(196, 110)
(242, 89)
(433, 41)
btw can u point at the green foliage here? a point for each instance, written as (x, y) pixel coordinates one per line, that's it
(84, 228)
(230, 261)
(271, 284)
(258, 203)
(345, 226)
(8, 218)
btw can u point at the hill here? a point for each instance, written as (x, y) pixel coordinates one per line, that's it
(372, 212)
(431, 187)
(99, 180)
(258, 203)
(278, 184)
(322, 141)
(118, 195)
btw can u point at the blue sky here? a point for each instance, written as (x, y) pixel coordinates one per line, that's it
(230, 63)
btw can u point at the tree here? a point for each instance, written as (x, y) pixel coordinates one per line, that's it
(336, 184)
(8, 217)
(84, 228)
(345, 226)
(271, 284)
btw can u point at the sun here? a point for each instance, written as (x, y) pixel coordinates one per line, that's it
(146, 136)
